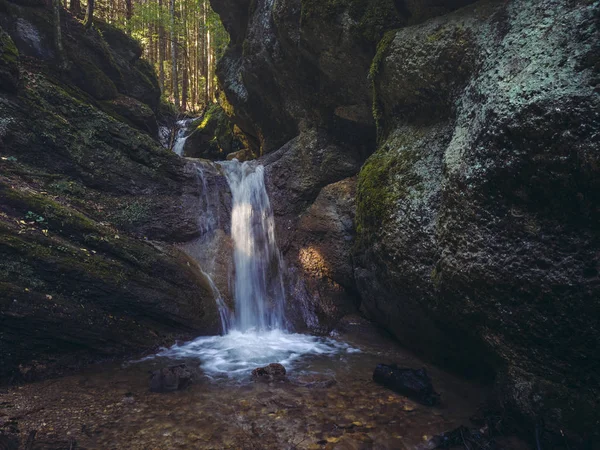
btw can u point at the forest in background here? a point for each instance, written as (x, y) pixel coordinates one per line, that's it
(182, 39)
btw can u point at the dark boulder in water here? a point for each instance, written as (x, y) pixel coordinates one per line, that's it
(412, 383)
(170, 379)
(272, 372)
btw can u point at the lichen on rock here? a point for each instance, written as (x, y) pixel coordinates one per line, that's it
(476, 222)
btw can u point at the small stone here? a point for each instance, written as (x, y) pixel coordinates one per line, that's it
(170, 379)
(272, 372)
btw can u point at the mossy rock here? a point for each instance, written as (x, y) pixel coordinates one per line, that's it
(213, 136)
(139, 114)
(9, 63)
(122, 44)
(89, 78)
(386, 178)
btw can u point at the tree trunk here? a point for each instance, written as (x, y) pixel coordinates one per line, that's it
(174, 77)
(161, 49)
(184, 59)
(75, 7)
(89, 15)
(60, 51)
(205, 36)
(184, 83)
(128, 14)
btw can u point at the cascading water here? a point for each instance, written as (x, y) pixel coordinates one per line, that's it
(258, 290)
(256, 335)
(180, 138)
(181, 130)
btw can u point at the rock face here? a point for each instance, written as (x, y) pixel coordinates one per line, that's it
(89, 209)
(477, 217)
(295, 79)
(105, 64)
(312, 192)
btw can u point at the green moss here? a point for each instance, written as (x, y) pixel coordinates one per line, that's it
(375, 196)
(9, 63)
(95, 82)
(387, 177)
(216, 122)
(9, 55)
(65, 186)
(35, 259)
(382, 49)
(58, 217)
(133, 213)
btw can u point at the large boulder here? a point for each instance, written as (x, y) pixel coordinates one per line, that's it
(477, 217)
(134, 112)
(312, 194)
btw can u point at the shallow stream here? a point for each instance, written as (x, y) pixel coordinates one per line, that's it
(329, 401)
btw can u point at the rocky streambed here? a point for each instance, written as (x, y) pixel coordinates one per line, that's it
(325, 402)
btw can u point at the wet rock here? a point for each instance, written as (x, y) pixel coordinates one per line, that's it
(412, 383)
(311, 189)
(272, 372)
(170, 379)
(242, 155)
(462, 437)
(316, 381)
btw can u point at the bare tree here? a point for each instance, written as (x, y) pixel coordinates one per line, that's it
(58, 43)
(174, 77)
(89, 15)
(75, 7)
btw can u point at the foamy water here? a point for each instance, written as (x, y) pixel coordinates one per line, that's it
(237, 353)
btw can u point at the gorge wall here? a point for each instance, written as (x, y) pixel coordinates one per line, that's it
(90, 203)
(435, 164)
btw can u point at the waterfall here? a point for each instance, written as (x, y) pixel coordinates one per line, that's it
(180, 136)
(258, 284)
(209, 220)
(257, 334)
(203, 250)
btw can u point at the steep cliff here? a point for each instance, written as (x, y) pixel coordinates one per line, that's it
(476, 233)
(478, 225)
(89, 202)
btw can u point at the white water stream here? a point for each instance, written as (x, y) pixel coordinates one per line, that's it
(259, 294)
(256, 333)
